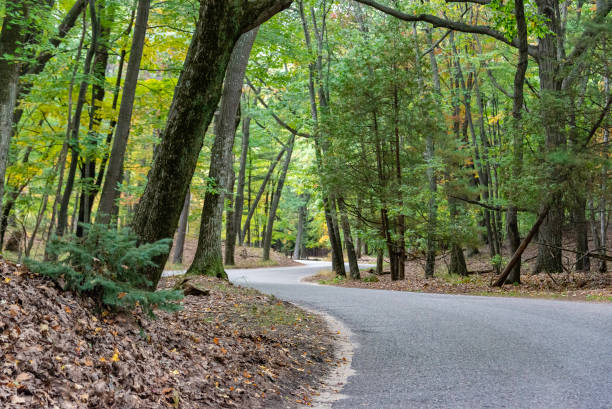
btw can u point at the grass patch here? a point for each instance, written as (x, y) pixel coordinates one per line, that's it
(457, 279)
(370, 279)
(599, 298)
(335, 280)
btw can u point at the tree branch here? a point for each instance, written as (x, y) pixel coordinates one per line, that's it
(276, 117)
(453, 25)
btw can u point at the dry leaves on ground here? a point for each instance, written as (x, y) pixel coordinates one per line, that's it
(234, 348)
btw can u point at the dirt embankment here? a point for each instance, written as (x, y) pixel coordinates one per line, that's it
(234, 347)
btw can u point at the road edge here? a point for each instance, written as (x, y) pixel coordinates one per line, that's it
(331, 386)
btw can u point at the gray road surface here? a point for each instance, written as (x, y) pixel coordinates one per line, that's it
(419, 350)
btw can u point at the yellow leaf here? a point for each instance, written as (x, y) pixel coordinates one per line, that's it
(216, 340)
(7, 280)
(115, 357)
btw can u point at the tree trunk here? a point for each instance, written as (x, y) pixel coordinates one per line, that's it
(12, 35)
(208, 259)
(107, 210)
(276, 199)
(182, 231)
(260, 193)
(298, 252)
(348, 241)
(379, 261)
(219, 26)
(89, 190)
(62, 220)
(239, 204)
(550, 233)
(230, 227)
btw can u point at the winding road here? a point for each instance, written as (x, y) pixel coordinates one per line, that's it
(416, 350)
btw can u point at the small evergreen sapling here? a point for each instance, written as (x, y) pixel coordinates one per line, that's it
(104, 265)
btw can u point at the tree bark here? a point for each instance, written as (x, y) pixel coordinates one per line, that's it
(196, 96)
(107, 209)
(348, 241)
(182, 231)
(208, 259)
(12, 35)
(239, 203)
(298, 249)
(230, 227)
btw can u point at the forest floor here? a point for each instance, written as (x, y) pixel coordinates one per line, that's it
(245, 257)
(234, 347)
(570, 285)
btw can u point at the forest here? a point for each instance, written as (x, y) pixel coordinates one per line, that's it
(401, 131)
(463, 141)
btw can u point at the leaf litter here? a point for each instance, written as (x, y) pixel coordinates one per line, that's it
(232, 348)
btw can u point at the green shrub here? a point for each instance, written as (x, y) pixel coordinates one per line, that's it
(105, 265)
(370, 279)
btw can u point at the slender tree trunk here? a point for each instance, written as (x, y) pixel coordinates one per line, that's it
(208, 259)
(89, 189)
(379, 261)
(230, 227)
(262, 189)
(107, 210)
(75, 126)
(432, 217)
(514, 237)
(12, 35)
(348, 241)
(299, 238)
(182, 231)
(239, 205)
(276, 199)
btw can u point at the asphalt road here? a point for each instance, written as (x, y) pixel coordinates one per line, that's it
(417, 350)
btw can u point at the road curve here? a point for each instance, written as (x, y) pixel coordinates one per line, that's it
(418, 350)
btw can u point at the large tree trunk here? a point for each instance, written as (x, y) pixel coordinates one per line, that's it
(107, 210)
(550, 234)
(196, 96)
(276, 199)
(208, 259)
(182, 231)
(12, 35)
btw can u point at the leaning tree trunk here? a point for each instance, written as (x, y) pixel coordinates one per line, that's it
(107, 210)
(182, 231)
(276, 199)
(208, 259)
(196, 96)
